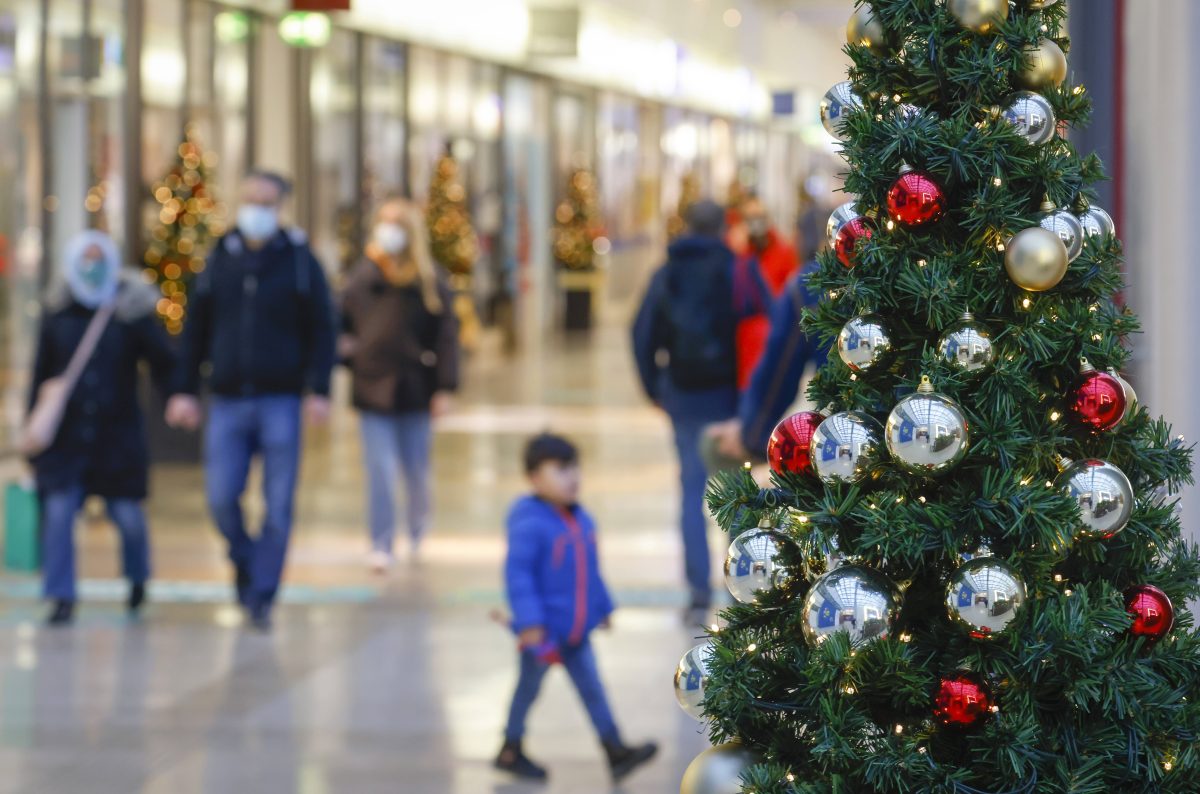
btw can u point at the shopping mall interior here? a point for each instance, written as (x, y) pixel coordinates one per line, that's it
(400, 682)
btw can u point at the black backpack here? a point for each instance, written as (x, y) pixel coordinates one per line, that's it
(699, 321)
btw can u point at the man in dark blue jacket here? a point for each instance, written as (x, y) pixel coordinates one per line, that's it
(260, 316)
(685, 348)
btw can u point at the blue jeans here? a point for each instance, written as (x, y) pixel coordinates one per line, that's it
(59, 509)
(393, 443)
(239, 429)
(580, 663)
(691, 412)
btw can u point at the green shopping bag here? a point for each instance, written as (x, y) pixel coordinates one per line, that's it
(22, 535)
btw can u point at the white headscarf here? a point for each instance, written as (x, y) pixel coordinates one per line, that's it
(92, 282)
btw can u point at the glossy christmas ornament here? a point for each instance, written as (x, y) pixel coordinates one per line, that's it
(1152, 611)
(840, 217)
(927, 433)
(789, 450)
(985, 594)
(845, 245)
(1032, 116)
(963, 700)
(863, 342)
(865, 29)
(718, 770)
(690, 679)
(854, 600)
(1038, 5)
(1098, 399)
(967, 347)
(915, 199)
(838, 103)
(846, 447)
(980, 16)
(1097, 225)
(750, 566)
(1102, 492)
(1036, 259)
(1066, 226)
(1045, 66)
(1130, 394)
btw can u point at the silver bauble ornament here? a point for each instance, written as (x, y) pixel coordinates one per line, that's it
(1045, 66)
(863, 342)
(1101, 491)
(1097, 225)
(690, 679)
(980, 16)
(1036, 259)
(858, 601)
(985, 594)
(838, 103)
(1066, 226)
(1032, 116)
(750, 566)
(846, 447)
(718, 770)
(865, 29)
(967, 347)
(927, 433)
(840, 217)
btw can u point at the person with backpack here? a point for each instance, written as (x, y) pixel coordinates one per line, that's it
(260, 316)
(684, 343)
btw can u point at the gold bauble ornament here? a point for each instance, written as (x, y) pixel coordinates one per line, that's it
(980, 16)
(864, 28)
(1045, 67)
(1036, 259)
(718, 770)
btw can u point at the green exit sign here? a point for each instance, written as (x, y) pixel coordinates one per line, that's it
(305, 29)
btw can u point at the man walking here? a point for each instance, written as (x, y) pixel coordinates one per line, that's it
(260, 316)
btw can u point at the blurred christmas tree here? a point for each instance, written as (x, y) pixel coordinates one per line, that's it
(689, 194)
(188, 220)
(451, 236)
(970, 576)
(577, 223)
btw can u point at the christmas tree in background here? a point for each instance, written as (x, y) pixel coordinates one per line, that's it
(689, 194)
(969, 574)
(453, 243)
(577, 223)
(188, 220)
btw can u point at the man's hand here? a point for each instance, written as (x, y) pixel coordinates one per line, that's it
(316, 409)
(531, 637)
(729, 439)
(441, 404)
(183, 412)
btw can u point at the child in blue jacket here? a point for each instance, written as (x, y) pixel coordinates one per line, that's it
(557, 597)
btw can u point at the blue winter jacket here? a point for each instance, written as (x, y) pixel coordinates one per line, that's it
(552, 571)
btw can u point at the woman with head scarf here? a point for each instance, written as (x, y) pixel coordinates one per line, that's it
(100, 445)
(400, 340)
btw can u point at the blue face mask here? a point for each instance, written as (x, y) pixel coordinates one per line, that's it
(256, 222)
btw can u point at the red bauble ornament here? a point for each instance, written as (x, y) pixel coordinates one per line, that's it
(915, 199)
(1153, 613)
(788, 450)
(1098, 400)
(963, 701)
(847, 239)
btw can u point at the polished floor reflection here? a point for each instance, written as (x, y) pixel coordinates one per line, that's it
(368, 684)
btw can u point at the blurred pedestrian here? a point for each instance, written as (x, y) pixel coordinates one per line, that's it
(558, 598)
(400, 340)
(86, 435)
(776, 258)
(684, 342)
(260, 317)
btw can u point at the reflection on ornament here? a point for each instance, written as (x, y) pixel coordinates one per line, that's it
(846, 447)
(967, 347)
(865, 30)
(1097, 225)
(915, 199)
(750, 566)
(1152, 611)
(789, 450)
(836, 105)
(1098, 400)
(1102, 493)
(857, 601)
(840, 217)
(1045, 66)
(845, 245)
(691, 677)
(927, 433)
(963, 700)
(1066, 226)
(863, 342)
(985, 594)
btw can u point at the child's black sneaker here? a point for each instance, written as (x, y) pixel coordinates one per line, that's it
(62, 613)
(622, 760)
(512, 759)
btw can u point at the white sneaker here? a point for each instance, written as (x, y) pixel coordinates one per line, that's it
(379, 561)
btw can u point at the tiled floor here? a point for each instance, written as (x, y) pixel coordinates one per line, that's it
(367, 684)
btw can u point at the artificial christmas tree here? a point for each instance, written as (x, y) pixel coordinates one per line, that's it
(576, 229)
(453, 242)
(689, 194)
(985, 588)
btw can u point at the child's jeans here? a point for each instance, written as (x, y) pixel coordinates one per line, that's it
(580, 663)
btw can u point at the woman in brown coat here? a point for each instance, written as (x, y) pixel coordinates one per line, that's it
(400, 340)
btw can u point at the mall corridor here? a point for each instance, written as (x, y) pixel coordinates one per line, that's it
(367, 684)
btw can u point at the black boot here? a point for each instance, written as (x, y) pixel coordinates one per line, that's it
(61, 614)
(512, 759)
(260, 616)
(137, 597)
(622, 760)
(241, 581)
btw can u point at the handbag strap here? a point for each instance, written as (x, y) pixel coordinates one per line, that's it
(87, 345)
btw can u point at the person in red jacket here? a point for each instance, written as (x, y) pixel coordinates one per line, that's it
(776, 258)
